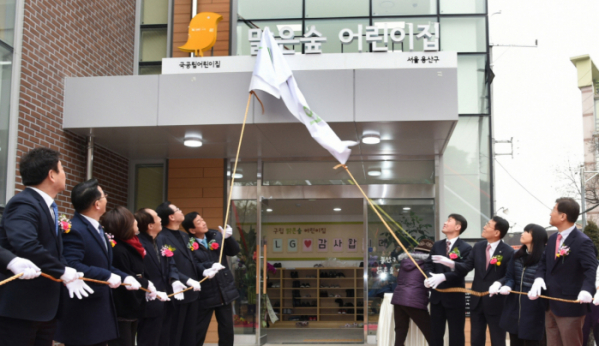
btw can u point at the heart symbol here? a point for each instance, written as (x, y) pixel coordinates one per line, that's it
(307, 242)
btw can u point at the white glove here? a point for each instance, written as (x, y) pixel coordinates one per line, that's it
(194, 284)
(152, 294)
(78, 288)
(209, 273)
(20, 265)
(427, 284)
(596, 299)
(435, 280)
(494, 289)
(227, 232)
(535, 290)
(162, 296)
(444, 261)
(114, 281)
(178, 287)
(134, 285)
(217, 267)
(505, 290)
(584, 297)
(69, 275)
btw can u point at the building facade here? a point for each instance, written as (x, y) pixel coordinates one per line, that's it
(90, 78)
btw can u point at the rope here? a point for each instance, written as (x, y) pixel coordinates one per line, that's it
(222, 245)
(14, 277)
(446, 290)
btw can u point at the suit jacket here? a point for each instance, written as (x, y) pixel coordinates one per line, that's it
(5, 258)
(566, 276)
(220, 290)
(160, 270)
(453, 278)
(187, 264)
(485, 276)
(93, 319)
(28, 230)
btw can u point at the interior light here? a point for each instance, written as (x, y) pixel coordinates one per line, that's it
(268, 210)
(374, 172)
(238, 175)
(337, 209)
(371, 139)
(383, 275)
(407, 208)
(192, 142)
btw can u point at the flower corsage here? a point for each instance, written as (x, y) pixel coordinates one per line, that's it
(167, 251)
(455, 254)
(213, 245)
(562, 252)
(111, 239)
(193, 245)
(496, 261)
(64, 223)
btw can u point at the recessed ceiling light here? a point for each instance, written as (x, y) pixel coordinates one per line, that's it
(371, 139)
(192, 142)
(374, 172)
(407, 208)
(337, 209)
(268, 210)
(238, 175)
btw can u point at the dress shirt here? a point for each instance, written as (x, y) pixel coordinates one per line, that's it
(203, 242)
(565, 234)
(493, 247)
(96, 226)
(451, 243)
(49, 200)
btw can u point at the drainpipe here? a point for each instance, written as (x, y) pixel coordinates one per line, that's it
(90, 158)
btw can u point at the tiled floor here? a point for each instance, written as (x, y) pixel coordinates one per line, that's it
(315, 336)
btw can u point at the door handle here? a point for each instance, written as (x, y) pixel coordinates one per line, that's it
(257, 272)
(264, 271)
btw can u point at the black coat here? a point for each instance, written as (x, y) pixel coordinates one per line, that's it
(221, 289)
(485, 276)
(522, 316)
(91, 320)
(565, 277)
(129, 304)
(187, 265)
(28, 230)
(453, 278)
(5, 258)
(160, 270)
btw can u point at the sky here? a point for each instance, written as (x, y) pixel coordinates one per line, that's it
(537, 100)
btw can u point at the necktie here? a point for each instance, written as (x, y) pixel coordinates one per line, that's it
(557, 242)
(488, 256)
(447, 248)
(156, 249)
(101, 232)
(55, 210)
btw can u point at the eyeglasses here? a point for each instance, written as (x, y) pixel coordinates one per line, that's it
(105, 196)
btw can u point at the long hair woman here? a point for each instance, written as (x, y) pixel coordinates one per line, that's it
(523, 318)
(128, 255)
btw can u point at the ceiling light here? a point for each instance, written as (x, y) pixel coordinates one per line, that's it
(371, 139)
(407, 208)
(268, 210)
(238, 175)
(337, 209)
(374, 172)
(192, 142)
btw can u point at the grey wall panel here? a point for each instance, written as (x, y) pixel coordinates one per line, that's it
(329, 94)
(209, 98)
(406, 95)
(119, 101)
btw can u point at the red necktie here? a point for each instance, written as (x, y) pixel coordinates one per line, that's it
(488, 256)
(557, 241)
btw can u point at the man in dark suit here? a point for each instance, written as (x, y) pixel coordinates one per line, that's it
(88, 249)
(154, 328)
(29, 229)
(490, 260)
(185, 310)
(448, 308)
(567, 270)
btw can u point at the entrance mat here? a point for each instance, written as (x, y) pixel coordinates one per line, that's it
(333, 341)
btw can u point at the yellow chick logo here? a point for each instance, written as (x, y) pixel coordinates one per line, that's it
(202, 33)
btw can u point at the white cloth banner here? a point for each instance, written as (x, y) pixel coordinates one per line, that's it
(273, 75)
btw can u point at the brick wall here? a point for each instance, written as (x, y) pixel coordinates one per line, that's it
(182, 17)
(72, 39)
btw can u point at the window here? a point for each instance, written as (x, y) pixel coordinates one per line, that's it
(153, 42)
(7, 33)
(149, 186)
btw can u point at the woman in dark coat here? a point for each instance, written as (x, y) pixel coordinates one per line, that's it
(128, 257)
(219, 291)
(523, 318)
(410, 298)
